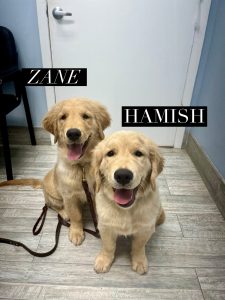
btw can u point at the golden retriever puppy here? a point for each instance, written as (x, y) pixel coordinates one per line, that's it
(77, 126)
(126, 165)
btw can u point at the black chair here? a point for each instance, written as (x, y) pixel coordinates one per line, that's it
(10, 72)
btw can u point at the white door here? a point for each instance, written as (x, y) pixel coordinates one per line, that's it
(136, 52)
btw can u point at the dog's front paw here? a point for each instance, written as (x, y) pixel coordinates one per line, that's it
(102, 263)
(76, 236)
(140, 265)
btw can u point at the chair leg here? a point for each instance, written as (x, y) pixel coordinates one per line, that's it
(28, 115)
(6, 149)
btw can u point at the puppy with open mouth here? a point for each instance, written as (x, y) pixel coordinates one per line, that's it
(126, 165)
(77, 126)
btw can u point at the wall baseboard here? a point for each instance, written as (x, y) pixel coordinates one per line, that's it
(20, 136)
(210, 175)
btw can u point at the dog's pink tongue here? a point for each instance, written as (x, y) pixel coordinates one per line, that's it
(74, 151)
(123, 196)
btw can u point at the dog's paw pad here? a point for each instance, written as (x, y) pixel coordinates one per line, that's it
(76, 236)
(140, 266)
(102, 264)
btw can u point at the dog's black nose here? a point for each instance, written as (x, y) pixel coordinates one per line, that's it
(73, 134)
(123, 176)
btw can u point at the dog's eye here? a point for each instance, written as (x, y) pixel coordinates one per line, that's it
(138, 153)
(85, 116)
(110, 153)
(63, 117)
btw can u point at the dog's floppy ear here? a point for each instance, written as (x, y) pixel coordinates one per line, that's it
(50, 121)
(96, 162)
(157, 163)
(102, 118)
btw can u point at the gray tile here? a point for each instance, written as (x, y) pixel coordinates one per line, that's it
(170, 227)
(26, 213)
(214, 295)
(212, 279)
(34, 291)
(163, 186)
(187, 187)
(14, 271)
(21, 291)
(186, 252)
(183, 204)
(117, 277)
(21, 198)
(89, 293)
(204, 225)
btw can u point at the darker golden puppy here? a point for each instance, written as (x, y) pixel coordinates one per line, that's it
(77, 126)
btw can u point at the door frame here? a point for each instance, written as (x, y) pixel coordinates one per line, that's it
(198, 39)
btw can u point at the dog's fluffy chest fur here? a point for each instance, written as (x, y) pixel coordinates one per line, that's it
(127, 221)
(72, 180)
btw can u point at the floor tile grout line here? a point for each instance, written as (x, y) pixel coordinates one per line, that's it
(40, 236)
(180, 225)
(168, 186)
(117, 265)
(199, 283)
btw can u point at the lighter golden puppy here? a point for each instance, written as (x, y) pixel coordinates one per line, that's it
(77, 126)
(126, 165)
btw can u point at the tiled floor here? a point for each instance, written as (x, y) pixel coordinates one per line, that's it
(186, 254)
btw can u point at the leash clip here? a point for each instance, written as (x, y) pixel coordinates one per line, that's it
(83, 175)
